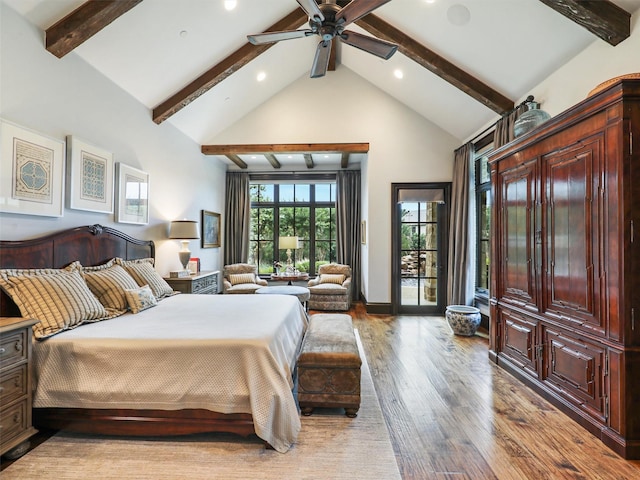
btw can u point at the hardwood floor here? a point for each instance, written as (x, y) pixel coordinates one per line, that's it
(452, 414)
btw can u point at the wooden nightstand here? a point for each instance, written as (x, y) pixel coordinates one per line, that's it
(15, 386)
(201, 283)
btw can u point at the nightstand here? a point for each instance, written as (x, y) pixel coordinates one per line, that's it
(201, 283)
(15, 386)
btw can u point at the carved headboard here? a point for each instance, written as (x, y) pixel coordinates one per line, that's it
(90, 245)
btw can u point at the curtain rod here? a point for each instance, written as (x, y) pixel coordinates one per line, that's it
(524, 102)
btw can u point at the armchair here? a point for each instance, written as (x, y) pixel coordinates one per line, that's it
(241, 278)
(331, 289)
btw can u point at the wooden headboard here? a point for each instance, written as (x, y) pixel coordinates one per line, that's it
(90, 245)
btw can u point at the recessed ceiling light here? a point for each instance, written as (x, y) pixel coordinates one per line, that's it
(458, 15)
(253, 157)
(398, 73)
(183, 33)
(326, 156)
(261, 76)
(430, 1)
(230, 4)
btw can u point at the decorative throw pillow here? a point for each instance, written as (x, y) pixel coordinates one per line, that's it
(60, 301)
(109, 285)
(143, 273)
(140, 298)
(237, 278)
(332, 278)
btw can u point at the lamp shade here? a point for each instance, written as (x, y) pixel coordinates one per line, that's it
(289, 243)
(184, 230)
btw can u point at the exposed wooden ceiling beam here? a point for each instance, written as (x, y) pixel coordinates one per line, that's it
(263, 149)
(237, 160)
(344, 162)
(83, 23)
(603, 18)
(272, 160)
(308, 159)
(437, 64)
(224, 69)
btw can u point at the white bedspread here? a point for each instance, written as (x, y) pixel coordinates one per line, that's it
(224, 353)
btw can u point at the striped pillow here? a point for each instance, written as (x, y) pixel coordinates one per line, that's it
(60, 301)
(140, 299)
(143, 273)
(109, 285)
(7, 273)
(332, 278)
(237, 278)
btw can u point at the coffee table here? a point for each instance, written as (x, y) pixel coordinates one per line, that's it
(302, 293)
(291, 277)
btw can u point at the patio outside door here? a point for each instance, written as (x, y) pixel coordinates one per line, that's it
(419, 247)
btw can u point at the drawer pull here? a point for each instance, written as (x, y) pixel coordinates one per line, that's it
(19, 346)
(2, 350)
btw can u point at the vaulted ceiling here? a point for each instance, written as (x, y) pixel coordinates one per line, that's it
(186, 59)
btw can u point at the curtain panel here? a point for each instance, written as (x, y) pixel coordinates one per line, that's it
(348, 225)
(460, 282)
(237, 216)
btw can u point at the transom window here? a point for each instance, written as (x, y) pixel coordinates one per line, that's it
(304, 210)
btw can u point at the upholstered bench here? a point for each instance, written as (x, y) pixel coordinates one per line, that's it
(329, 365)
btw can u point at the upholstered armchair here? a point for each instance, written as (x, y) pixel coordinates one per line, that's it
(331, 289)
(241, 278)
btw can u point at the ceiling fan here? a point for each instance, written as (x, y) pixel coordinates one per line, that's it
(328, 21)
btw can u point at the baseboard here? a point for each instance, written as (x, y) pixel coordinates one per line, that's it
(376, 308)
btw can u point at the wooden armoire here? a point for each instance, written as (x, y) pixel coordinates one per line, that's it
(565, 263)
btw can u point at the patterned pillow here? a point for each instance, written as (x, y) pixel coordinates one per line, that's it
(7, 273)
(60, 301)
(140, 299)
(332, 278)
(109, 285)
(237, 278)
(143, 273)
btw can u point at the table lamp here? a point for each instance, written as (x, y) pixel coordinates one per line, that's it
(184, 230)
(288, 243)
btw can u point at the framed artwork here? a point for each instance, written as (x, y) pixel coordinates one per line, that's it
(210, 229)
(132, 196)
(89, 177)
(31, 172)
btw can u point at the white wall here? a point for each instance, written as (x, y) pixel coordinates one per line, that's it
(344, 107)
(60, 97)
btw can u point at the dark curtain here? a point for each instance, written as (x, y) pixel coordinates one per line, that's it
(503, 133)
(348, 225)
(237, 216)
(460, 281)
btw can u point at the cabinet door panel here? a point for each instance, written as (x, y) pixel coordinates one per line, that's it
(517, 240)
(572, 223)
(576, 369)
(519, 340)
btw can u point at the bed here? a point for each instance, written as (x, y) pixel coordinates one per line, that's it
(190, 364)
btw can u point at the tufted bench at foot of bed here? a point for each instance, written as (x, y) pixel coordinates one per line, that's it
(329, 365)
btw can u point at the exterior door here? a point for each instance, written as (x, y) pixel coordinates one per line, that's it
(420, 213)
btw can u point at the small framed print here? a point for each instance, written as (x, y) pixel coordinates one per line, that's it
(31, 172)
(194, 265)
(210, 229)
(89, 177)
(132, 196)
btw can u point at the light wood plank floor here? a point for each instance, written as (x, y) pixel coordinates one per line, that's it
(453, 414)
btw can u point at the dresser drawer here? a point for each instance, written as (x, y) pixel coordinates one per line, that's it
(13, 347)
(13, 421)
(13, 384)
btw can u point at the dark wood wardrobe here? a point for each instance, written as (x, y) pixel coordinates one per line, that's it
(565, 263)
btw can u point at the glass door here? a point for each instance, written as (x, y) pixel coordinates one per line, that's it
(419, 248)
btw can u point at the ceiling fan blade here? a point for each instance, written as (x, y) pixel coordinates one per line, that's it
(270, 37)
(321, 60)
(375, 46)
(357, 9)
(311, 9)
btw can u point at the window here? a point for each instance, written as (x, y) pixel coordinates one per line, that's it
(483, 222)
(305, 210)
